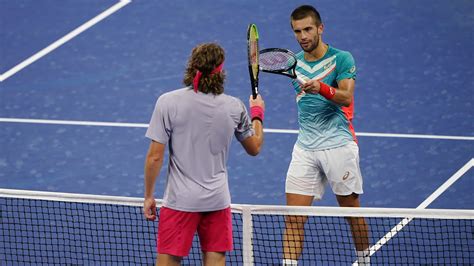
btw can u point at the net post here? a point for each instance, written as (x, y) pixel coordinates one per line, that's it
(247, 231)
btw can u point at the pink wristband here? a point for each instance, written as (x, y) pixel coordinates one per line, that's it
(257, 112)
(326, 91)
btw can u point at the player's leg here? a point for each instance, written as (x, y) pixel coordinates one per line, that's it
(359, 228)
(175, 235)
(168, 260)
(304, 183)
(293, 236)
(345, 178)
(214, 258)
(215, 235)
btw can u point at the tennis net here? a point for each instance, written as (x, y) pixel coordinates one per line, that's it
(63, 229)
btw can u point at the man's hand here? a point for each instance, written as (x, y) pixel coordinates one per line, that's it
(311, 86)
(256, 102)
(149, 209)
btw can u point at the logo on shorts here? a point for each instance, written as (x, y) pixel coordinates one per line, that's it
(346, 175)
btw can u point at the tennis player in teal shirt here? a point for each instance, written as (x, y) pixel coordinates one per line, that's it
(326, 150)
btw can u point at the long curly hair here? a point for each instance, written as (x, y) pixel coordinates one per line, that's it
(205, 58)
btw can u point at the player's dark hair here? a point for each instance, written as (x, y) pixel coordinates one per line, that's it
(304, 11)
(205, 58)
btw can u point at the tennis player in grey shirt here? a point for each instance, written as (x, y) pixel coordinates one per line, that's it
(198, 123)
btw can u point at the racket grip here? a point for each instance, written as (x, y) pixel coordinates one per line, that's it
(300, 80)
(254, 93)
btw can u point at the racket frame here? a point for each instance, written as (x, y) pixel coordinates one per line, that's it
(253, 57)
(290, 71)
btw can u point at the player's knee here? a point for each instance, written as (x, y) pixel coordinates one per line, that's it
(214, 258)
(165, 259)
(349, 200)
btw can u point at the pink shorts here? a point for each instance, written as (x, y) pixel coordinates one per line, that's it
(176, 231)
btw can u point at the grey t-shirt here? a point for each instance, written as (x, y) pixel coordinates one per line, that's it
(198, 128)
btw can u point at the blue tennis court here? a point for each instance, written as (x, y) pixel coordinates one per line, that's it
(79, 80)
(73, 118)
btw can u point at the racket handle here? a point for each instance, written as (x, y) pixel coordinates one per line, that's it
(254, 93)
(300, 80)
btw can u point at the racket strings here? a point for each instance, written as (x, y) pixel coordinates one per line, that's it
(254, 55)
(277, 61)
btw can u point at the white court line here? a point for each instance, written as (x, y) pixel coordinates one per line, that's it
(64, 39)
(267, 130)
(72, 123)
(386, 135)
(382, 241)
(414, 136)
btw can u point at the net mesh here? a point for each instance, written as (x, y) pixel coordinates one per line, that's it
(328, 241)
(81, 231)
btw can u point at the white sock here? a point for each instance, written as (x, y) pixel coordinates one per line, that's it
(363, 257)
(289, 262)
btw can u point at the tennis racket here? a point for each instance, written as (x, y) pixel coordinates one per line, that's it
(252, 49)
(279, 61)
